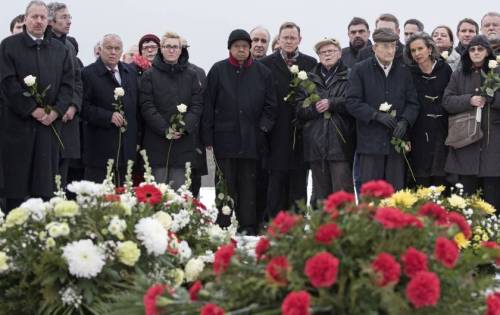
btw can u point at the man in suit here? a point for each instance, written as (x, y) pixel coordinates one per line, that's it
(108, 134)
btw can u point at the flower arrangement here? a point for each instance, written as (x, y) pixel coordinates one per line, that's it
(393, 253)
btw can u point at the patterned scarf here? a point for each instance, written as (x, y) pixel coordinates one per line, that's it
(290, 59)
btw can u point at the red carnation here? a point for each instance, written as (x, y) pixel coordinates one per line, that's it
(262, 247)
(198, 204)
(211, 309)
(194, 290)
(459, 220)
(296, 303)
(493, 304)
(446, 252)
(222, 258)
(276, 270)
(377, 189)
(423, 289)
(282, 223)
(322, 269)
(387, 268)
(148, 194)
(393, 218)
(327, 233)
(414, 261)
(150, 299)
(119, 190)
(337, 199)
(430, 209)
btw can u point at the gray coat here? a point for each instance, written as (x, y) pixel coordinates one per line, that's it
(480, 158)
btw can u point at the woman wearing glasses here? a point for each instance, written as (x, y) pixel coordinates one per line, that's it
(166, 85)
(427, 136)
(477, 164)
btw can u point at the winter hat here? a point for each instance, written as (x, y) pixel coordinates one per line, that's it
(384, 35)
(148, 38)
(238, 34)
(326, 41)
(480, 40)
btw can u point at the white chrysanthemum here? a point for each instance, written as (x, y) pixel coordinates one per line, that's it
(215, 233)
(208, 258)
(212, 213)
(37, 208)
(152, 235)
(85, 187)
(128, 202)
(180, 220)
(226, 210)
(184, 251)
(85, 260)
(193, 269)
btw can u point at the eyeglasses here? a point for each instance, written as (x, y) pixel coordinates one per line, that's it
(170, 47)
(477, 48)
(146, 47)
(329, 52)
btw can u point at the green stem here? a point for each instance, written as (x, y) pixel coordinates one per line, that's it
(338, 131)
(409, 166)
(488, 122)
(168, 158)
(57, 136)
(294, 135)
(118, 157)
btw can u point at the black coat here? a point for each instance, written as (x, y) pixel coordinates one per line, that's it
(429, 132)
(328, 139)
(100, 135)
(350, 55)
(240, 105)
(368, 88)
(162, 88)
(282, 155)
(32, 158)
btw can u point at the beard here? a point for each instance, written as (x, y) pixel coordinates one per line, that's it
(358, 43)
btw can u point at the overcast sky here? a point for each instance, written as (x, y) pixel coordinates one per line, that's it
(207, 24)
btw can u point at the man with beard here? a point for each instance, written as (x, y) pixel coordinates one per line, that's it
(29, 129)
(260, 42)
(490, 25)
(359, 33)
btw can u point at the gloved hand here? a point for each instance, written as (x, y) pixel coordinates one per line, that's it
(385, 119)
(400, 129)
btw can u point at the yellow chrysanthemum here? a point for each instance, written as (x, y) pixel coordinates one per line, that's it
(128, 253)
(424, 192)
(457, 202)
(484, 206)
(461, 240)
(67, 208)
(16, 217)
(403, 198)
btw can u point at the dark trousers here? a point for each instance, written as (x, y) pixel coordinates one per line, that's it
(286, 188)
(239, 175)
(490, 187)
(390, 168)
(331, 176)
(97, 175)
(12, 203)
(262, 180)
(195, 182)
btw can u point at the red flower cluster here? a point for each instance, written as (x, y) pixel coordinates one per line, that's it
(150, 299)
(276, 270)
(322, 269)
(194, 290)
(459, 220)
(222, 258)
(337, 199)
(446, 252)
(198, 204)
(326, 233)
(211, 309)
(430, 209)
(387, 268)
(493, 304)
(424, 289)
(282, 223)
(377, 189)
(393, 218)
(148, 194)
(414, 261)
(262, 247)
(296, 303)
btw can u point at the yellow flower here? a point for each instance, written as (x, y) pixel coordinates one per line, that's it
(461, 241)
(50, 242)
(484, 206)
(403, 198)
(66, 208)
(177, 276)
(164, 218)
(3, 262)
(16, 217)
(128, 253)
(424, 192)
(457, 201)
(485, 237)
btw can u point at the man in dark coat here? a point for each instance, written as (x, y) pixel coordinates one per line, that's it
(358, 32)
(60, 20)
(239, 110)
(287, 170)
(103, 123)
(372, 82)
(31, 161)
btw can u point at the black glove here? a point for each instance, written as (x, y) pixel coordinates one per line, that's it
(386, 120)
(400, 129)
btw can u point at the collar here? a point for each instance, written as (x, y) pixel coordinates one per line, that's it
(384, 67)
(33, 37)
(103, 69)
(235, 62)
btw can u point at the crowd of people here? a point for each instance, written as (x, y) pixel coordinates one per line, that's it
(383, 109)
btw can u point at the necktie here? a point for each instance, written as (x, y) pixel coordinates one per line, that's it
(115, 76)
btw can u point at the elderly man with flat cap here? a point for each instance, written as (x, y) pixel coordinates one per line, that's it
(378, 80)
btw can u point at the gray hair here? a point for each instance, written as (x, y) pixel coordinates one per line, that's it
(109, 36)
(34, 3)
(428, 41)
(259, 27)
(489, 14)
(53, 7)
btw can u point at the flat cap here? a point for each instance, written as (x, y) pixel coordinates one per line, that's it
(384, 35)
(326, 41)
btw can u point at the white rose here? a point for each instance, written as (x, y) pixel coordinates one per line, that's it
(302, 75)
(193, 268)
(30, 80)
(385, 107)
(294, 69)
(492, 64)
(119, 91)
(164, 218)
(226, 210)
(445, 54)
(182, 108)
